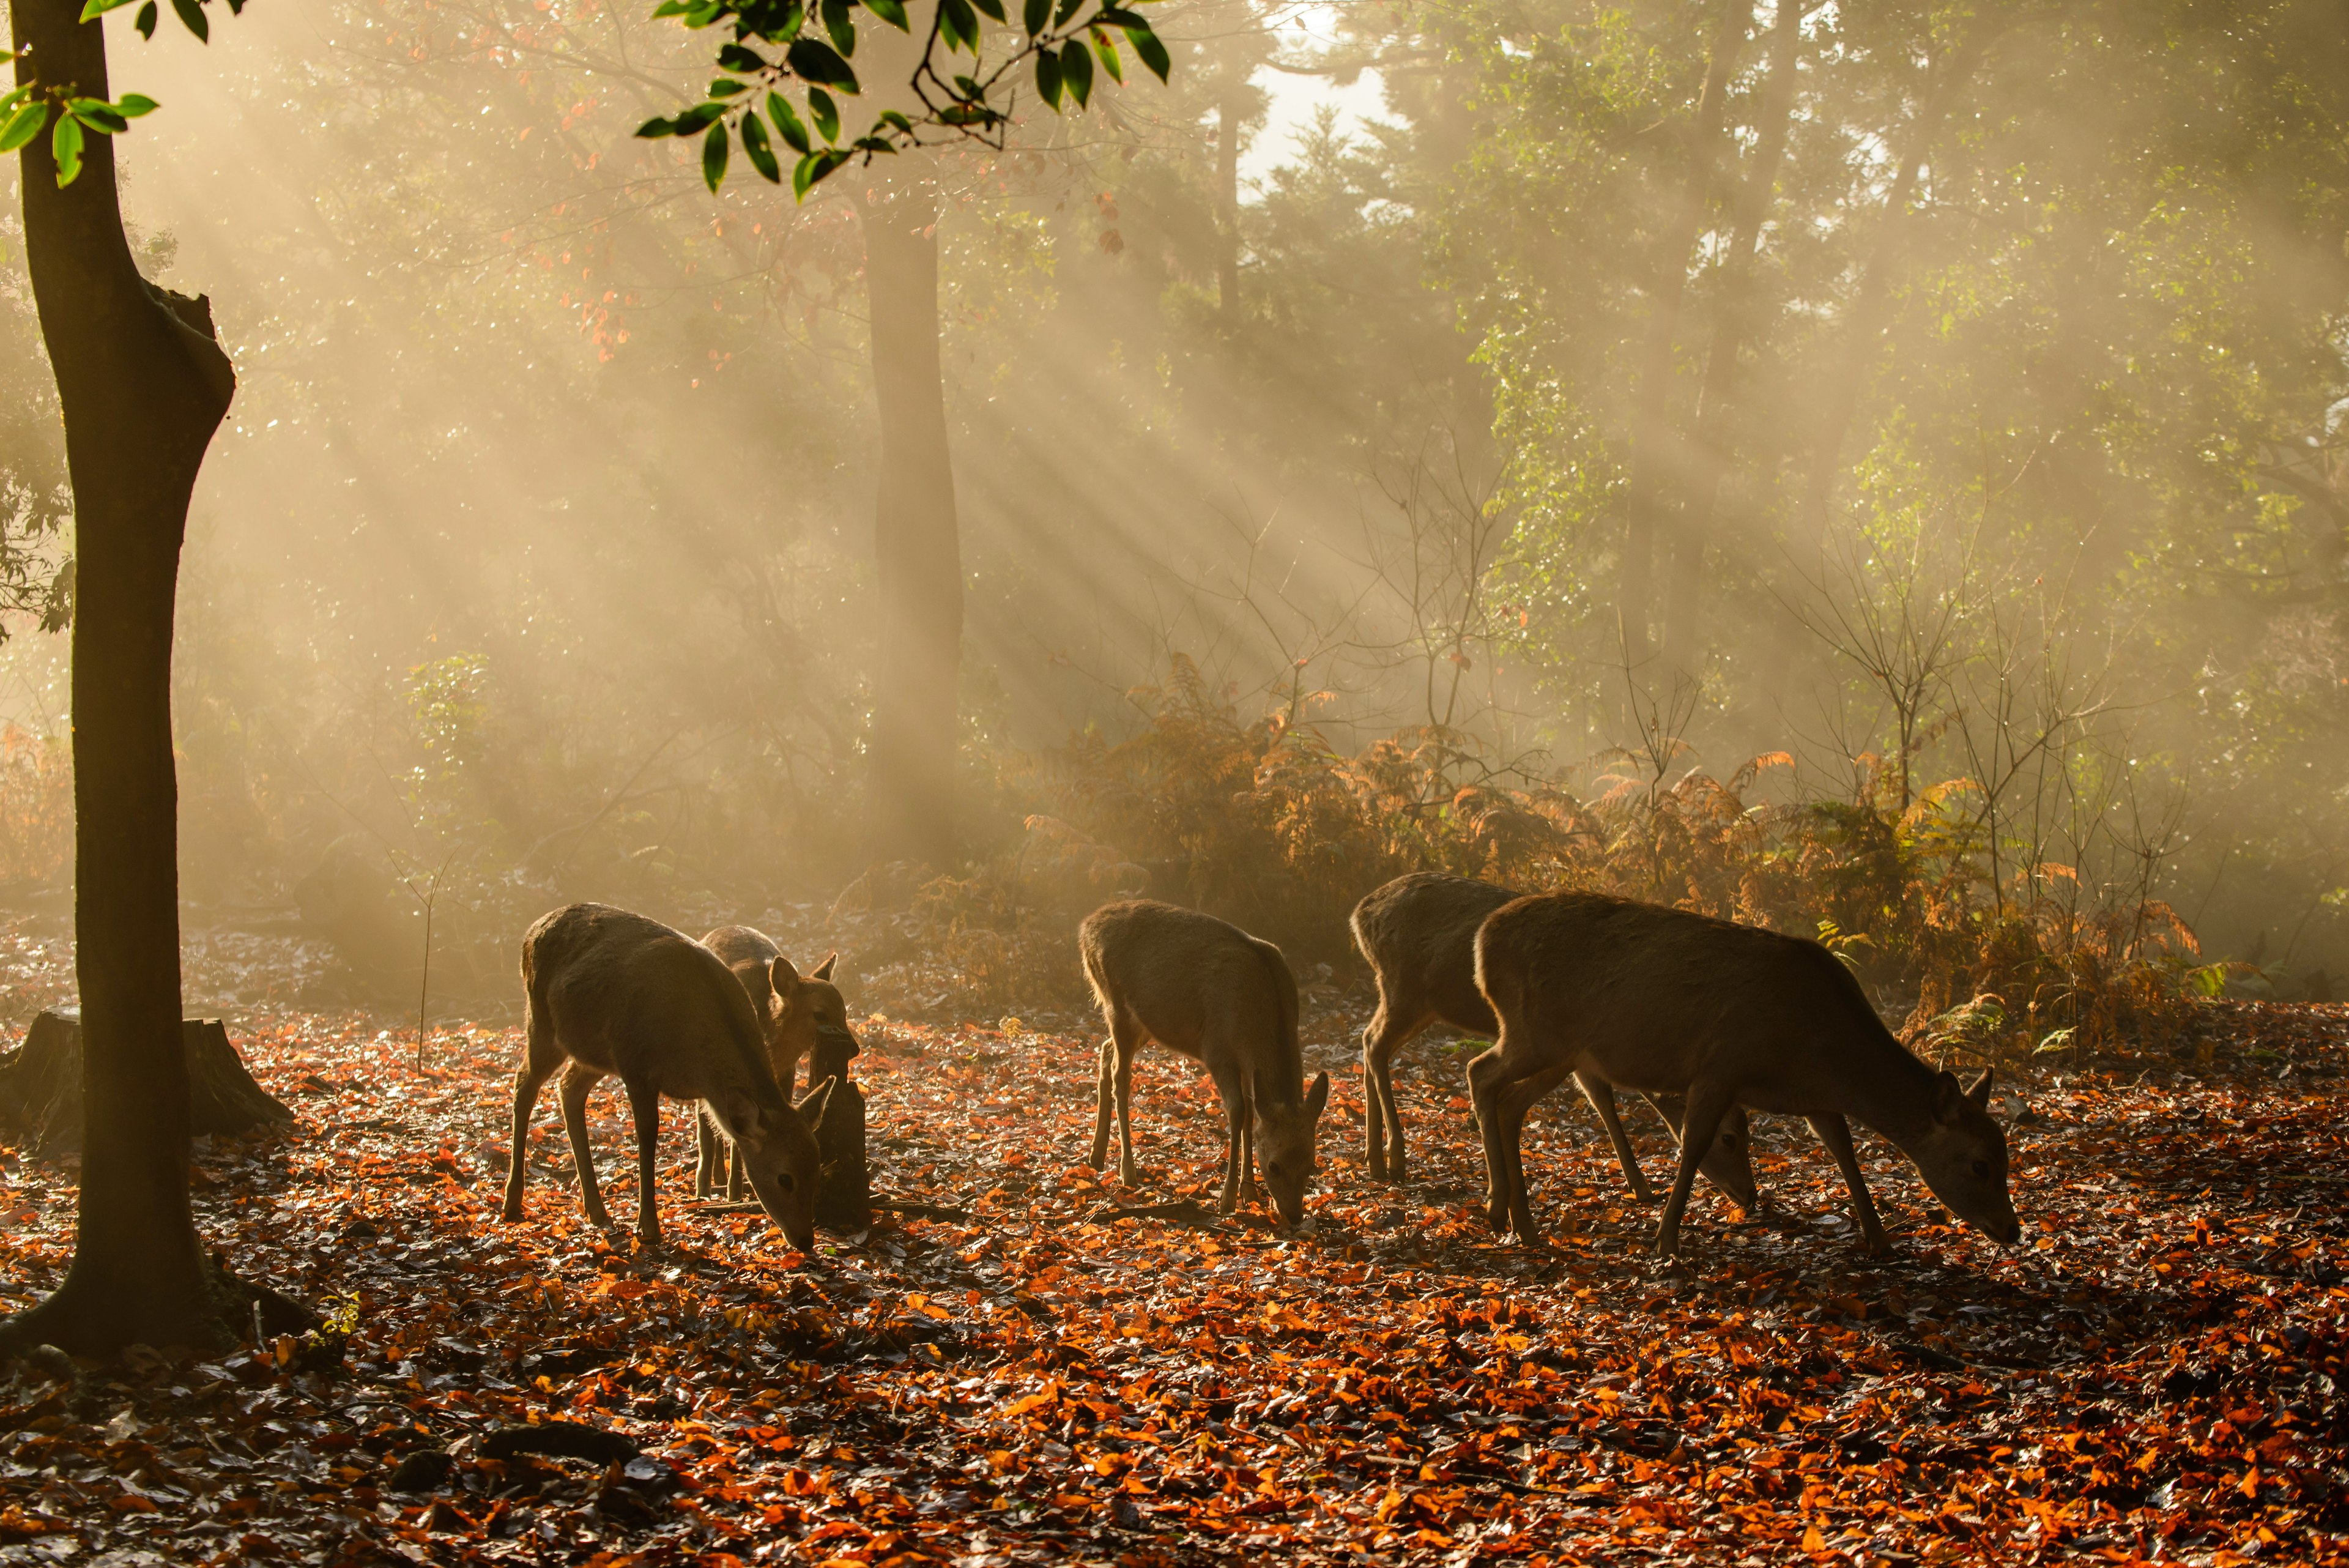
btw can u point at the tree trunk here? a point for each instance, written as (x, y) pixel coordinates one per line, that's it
(1654, 443)
(143, 385)
(1733, 329)
(916, 546)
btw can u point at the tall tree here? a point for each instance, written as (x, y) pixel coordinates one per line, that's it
(917, 547)
(143, 385)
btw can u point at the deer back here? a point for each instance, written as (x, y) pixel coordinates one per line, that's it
(1418, 934)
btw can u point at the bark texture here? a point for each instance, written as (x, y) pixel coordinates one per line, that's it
(143, 386)
(917, 546)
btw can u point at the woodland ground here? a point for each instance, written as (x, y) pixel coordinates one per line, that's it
(1022, 1376)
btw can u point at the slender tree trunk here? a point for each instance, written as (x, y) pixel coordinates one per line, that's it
(143, 385)
(1733, 327)
(1654, 443)
(1865, 323)
(916, 543)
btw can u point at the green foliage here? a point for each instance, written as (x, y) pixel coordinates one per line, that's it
(977, 106)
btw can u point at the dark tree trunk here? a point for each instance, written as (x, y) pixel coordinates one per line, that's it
(41, 1084)
(916, 543)
(1733, 329)
(1655, 444)
(143, 385)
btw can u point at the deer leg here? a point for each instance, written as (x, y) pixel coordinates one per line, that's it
(1485, 1075)
(1727, 1163)
(1835, 1133)
(540, 1059)
(644, 1109)
(1602, 1095)
(1104, 1098)
(738, 1168)
(1515, 1101)
(1232, 1089)
(1125, 1044)
(705, 1155)
(1383, 1124)
(1707, 1105)
(577, 1080)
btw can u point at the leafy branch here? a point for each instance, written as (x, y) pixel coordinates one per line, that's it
(1059, 40)
(25, 110)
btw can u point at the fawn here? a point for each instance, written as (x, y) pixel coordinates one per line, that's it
(792, 1012)
(1212, 991)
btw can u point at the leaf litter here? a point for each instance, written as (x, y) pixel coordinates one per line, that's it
(1012, 1368)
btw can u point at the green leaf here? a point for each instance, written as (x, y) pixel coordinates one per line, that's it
(1039, 12)
(820, 64)
(783, 27)
(727, 87)
(192, 13)
(65, 142)
(825, 113)
(101, 8)
(146, 22)
(896, 122)
(671, 8)
(135, 104)
(891, 12)
(994, 8)
(1077, 72)
(960, 25)
(1107, 50)
(745, 62)
(756, 146)
(23, 125)
(1068, 9)
(97, 114)
(787, 123)
(658, 127)
(692, 120)
(1048, 77)
(1149, 49)
(11, 99)
(841, 26)
(814, 167)
(713, 157)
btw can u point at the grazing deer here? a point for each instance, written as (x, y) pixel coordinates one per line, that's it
(791, 1011)
(1665, 1000)
(1418, 935)
(608, 993)
(1214, 992)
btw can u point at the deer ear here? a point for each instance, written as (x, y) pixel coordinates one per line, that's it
(1948, 1097)
(1978, 1092)
(812, 1109)
(1317, 1099)
(823, 970)
(783, 976)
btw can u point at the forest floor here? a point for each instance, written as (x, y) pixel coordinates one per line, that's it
(1019, 1373)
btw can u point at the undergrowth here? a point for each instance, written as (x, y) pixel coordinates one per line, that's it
(1265, 824)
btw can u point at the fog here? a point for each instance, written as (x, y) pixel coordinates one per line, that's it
(1964, 441)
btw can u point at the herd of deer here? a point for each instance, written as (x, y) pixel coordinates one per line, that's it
(1706, 1019)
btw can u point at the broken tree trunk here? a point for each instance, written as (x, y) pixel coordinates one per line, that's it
(844, 1203)
(41, 1084)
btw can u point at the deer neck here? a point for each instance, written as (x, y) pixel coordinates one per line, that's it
(1891, 1091)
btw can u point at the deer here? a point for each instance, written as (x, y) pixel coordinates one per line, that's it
(1210, 990)
(607, 993)
(791, 1012)
(1669, 1001)
(1418, 933)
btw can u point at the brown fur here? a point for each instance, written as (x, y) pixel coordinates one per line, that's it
(1665, 1001)
(1212, 991)
(1418, 934)
(607, 993)
(789, 1011)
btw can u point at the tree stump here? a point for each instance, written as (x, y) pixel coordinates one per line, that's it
(40, 1084)
(843, 1202)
